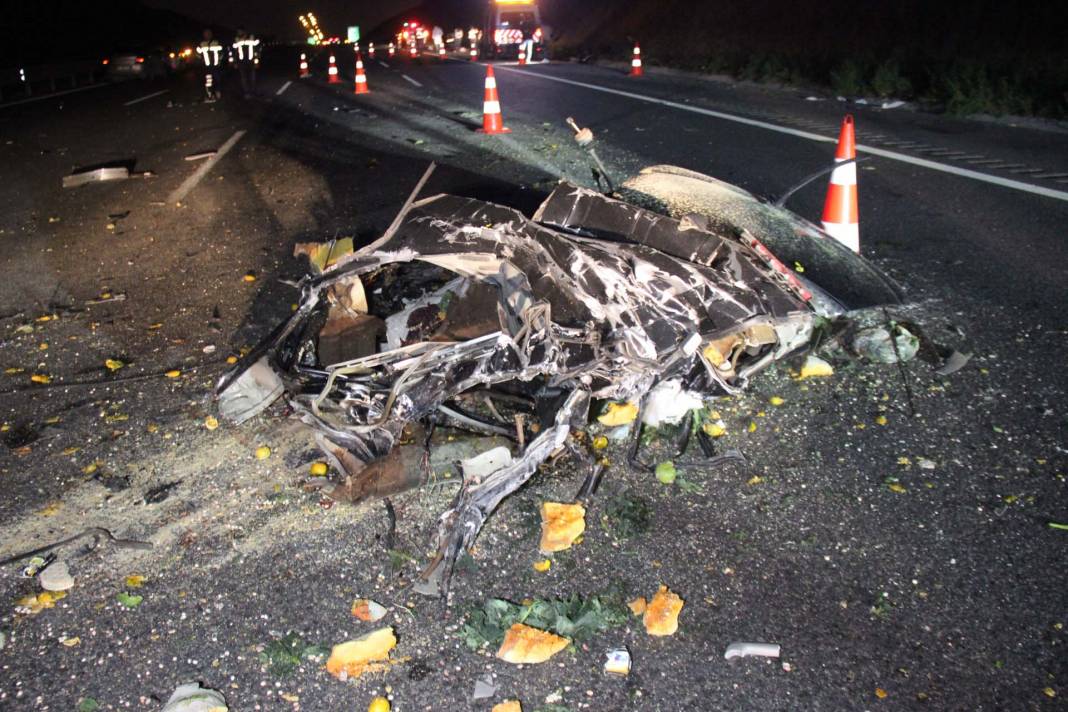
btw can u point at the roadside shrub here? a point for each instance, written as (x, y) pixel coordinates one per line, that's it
(888, 81)
(848, 79)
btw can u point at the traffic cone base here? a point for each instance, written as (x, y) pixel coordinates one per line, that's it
(492, 122)
(840, 214)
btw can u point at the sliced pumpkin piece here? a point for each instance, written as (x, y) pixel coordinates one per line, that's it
(561, 525)
(365, 654)
(525, 645)
(662, 613)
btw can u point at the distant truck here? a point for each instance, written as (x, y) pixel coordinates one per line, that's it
(507, 21)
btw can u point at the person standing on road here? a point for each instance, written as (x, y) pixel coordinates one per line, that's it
(438, 36)
(526, 47)
(245, 44)
(211, 52)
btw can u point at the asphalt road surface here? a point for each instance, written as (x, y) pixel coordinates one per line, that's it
(890, 532)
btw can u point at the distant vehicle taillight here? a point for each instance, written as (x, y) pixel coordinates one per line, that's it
(140, 60)
(105, 61)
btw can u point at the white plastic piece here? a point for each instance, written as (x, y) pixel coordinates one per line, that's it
(191, 697)
(745, 650)
(481, 466)
(618, 662)
(669, 403)
(56, 577)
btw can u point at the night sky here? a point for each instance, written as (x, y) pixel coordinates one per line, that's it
(279, 17)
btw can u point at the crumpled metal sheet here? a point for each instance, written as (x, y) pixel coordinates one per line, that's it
(721, 208)
(593, 298)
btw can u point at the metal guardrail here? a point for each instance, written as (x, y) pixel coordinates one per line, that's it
(23, 82)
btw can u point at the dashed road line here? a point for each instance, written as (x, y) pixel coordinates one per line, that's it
(409, 79)
(383, 63)
(191, 182)
(283, 88)
(53, 95)
(146, 97)
(882, 153)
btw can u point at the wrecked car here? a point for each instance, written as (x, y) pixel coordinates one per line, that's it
(670, 283)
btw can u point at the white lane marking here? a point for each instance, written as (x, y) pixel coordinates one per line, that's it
(283, 88)
(146, 97)
(891, 155)
(54, 95)
(383, 63)
(411, 80)
(191, 182)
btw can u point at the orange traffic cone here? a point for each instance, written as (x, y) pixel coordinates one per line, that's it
(361, 78)
(522, 54)
(304, 66)
(441, 52)
(332, 72)
(492, 121)
(474, 53)
(371, 50)
(392, 49)
(636, 62)
(840, 219)
(413, 52)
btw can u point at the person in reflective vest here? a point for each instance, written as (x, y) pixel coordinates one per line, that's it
(245, 54)
(210, 52)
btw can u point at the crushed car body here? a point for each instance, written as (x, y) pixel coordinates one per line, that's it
(465, 302)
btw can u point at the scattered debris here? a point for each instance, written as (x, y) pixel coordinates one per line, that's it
(618, 414)
(508, 706)
(561, 525)
(97, 175)
(368, 653)
(876, 345)
(284, 655)
(105, 298)
(669, 403)
(666, 472)
(955, 362)
(191, 697)
(526, 645)
(56, 577)
(367, 610)
(815, 367)
(378, 704)
(576, 618)
(485, 688)
(638, 605)
(130, 600)
(661, 616)
(742, 650)
(200, 156)
(617, 662)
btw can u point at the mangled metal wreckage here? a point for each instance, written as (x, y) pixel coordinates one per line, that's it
(593, 298)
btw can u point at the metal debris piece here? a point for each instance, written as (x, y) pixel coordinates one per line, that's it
(954, 363)
(742, 650)
(200, 156)
(592, 298)
(485, 688)
(98, 175)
